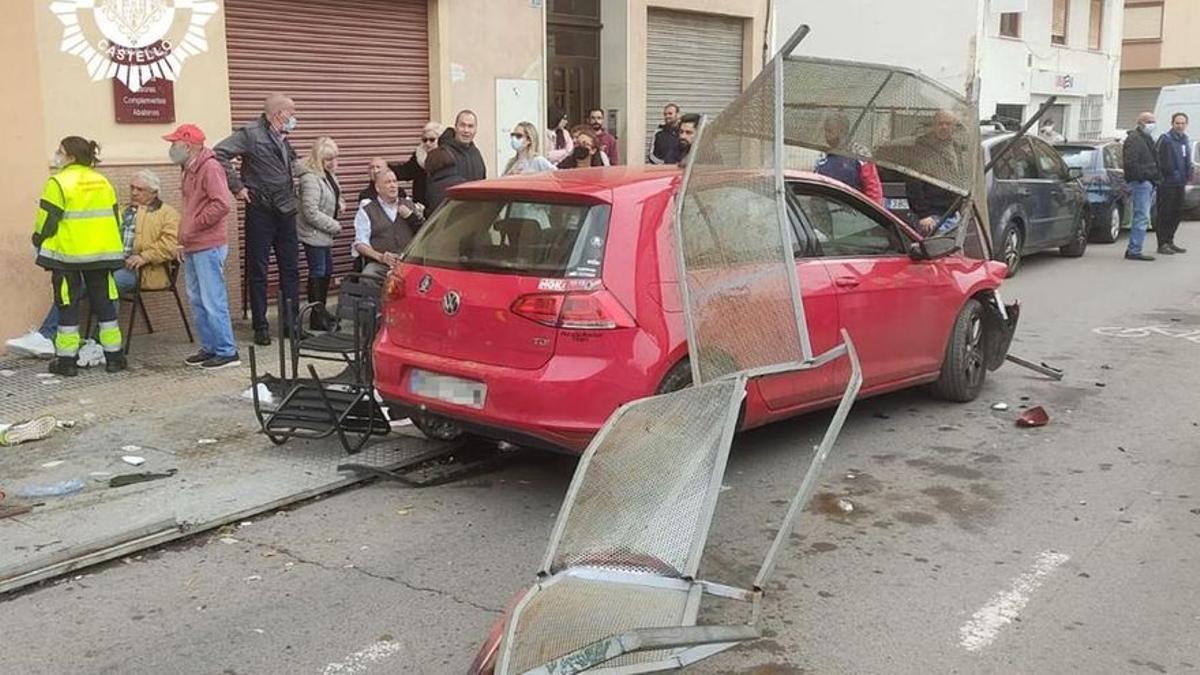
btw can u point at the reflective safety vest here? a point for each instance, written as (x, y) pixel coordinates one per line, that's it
(78, 226)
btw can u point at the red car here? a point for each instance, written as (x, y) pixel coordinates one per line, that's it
(531, 307)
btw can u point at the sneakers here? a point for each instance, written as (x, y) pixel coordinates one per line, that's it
(32, 344)
(1166, 249)
(65, 366)
(198, 358)
(218, 362)
(29, 430)
(114, 362)
(1177, 249)
(262, 337)
(1138, 256)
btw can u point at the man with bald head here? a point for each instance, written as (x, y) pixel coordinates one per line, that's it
(929, 203)
(266, 186)
(1141, 174)
(383, 226)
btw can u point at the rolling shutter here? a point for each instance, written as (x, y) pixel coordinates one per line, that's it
(693, 60)
(359, 73)
(1133, 102)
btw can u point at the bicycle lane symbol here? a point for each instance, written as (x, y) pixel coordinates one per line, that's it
(1189, 334)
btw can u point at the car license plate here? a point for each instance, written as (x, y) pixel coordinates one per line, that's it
(897, 204)
(447, 388)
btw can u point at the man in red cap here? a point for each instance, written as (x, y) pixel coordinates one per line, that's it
(203, 237)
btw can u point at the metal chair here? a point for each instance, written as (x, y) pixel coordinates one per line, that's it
(356, 320)
(139, 304)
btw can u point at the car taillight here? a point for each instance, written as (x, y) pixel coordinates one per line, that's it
(393, 287)
(591, 310)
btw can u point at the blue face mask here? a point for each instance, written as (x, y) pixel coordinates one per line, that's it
(516, 143)
(290, 125)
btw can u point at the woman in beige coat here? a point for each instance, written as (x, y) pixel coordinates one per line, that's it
(317, 223)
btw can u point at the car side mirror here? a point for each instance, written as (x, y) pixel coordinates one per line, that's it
(1075, 172)
(933, 248)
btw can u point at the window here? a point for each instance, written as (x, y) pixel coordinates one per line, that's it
(1143, 22)
(1050, 165)
(1010, 24)
(843, 230)
(1091, 117)
(1078, 156)
(1017, 164)
(1058, 22)
(1096, 24)
(1011, 114)
(523, 238)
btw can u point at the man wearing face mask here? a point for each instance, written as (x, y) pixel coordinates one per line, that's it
(207, 202)
(267, 187)
(1141, 173)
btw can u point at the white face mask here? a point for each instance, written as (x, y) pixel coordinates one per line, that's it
(59, 161)
(517, 143)
(1149, 127)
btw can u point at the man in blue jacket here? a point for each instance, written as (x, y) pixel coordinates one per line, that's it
(1174, 152)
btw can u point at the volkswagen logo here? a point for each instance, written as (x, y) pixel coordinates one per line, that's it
(451, 303)
(425, 283)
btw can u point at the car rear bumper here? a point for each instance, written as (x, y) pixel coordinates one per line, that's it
(559, 406)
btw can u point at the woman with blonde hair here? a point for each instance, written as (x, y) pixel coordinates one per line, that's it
(317, 221)
(414, 169)
(524, 140)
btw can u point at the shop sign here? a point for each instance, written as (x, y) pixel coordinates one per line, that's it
(154, 103)
(1061, 84)
(134, 41)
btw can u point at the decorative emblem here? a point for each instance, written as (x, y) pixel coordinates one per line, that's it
(139, 41)
(425, 284)
(451, 302)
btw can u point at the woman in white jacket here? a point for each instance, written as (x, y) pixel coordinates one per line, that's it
(316, 223)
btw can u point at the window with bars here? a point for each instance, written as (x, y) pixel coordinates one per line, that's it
(1096, 25)
(1058, 24)
(1091, 118)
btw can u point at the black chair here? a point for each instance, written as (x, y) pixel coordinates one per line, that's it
(139, 305)
(355, 320)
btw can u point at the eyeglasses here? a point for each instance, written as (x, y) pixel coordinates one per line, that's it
(429, 139)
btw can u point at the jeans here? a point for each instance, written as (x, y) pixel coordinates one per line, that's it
(1143, 197)
(320, 261)
(267, 229)
(205, 275)
(125, 281)
(1170, 211)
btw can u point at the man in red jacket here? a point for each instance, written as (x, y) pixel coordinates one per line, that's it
(207, 202)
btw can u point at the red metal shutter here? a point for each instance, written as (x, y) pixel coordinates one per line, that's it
(359, 73)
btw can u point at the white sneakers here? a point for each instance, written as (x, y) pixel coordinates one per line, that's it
(28, 430)
(32, 344)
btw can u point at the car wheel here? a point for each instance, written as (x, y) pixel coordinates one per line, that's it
(963, 370)
(1079, 240)
(678, 377)
(1108, 226)
(1010, 247)
(436, 427)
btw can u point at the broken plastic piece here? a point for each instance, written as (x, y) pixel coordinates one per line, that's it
(1000, 406)
(845, 505)
(58, 489)
(131, 478)
(131, 448)
(133, 460)
(206, 441)
(1034, 417)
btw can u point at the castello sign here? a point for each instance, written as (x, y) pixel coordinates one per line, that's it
(134, 41)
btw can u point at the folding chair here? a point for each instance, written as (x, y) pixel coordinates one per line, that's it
(140, 305)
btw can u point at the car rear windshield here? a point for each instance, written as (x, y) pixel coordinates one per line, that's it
(514, 237)
(1080, 158)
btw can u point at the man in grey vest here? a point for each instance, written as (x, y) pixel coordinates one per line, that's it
(384, 226)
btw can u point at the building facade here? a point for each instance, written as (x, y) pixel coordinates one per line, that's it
(1159, 50)
(368, 73)
(1022, 51)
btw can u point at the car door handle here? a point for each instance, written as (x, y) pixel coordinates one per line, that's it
(846, 282)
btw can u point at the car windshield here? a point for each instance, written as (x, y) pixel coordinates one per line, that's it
(514, 237)
(1080, 158)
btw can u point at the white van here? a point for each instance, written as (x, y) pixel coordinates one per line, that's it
(1184, 98)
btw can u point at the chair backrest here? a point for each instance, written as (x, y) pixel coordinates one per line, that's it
(356, 293)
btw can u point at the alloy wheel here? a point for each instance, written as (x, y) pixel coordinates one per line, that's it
(1114, 223)
(974, 353)
(1012, 245)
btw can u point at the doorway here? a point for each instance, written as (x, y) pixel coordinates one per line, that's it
(573, 56)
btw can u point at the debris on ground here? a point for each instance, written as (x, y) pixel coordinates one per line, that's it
(229, 541)
(131, 478)
(264, 394)
(59, 489)
(90, 354)
(10, 510)
(206, 441)
(1034, 417)
(27, 430)
(7, 373)
(52, 464)
(1000, 406)
(845, 505)
(131, 448)
(67, 424)
(133, 460)
(254, 577)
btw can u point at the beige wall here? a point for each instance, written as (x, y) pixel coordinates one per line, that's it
(25, 293)
(1181, 26)
(472, 44)
(634, 107)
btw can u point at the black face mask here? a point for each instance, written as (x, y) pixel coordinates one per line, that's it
(581, 152)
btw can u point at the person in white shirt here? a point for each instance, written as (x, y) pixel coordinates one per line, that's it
(524, 140)
(384, 226)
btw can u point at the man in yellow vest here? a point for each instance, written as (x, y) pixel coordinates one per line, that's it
(78, 238)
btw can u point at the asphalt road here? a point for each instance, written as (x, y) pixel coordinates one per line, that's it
(974, 546)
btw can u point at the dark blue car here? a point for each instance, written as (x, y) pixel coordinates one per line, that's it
(1104, 182)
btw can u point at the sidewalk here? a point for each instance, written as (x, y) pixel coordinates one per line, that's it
(177, 418)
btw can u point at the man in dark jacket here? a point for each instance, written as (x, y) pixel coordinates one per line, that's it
(665, 147)
(460, 141)
(1141, 174)
(267, 188)
(1175, 164)
(929, 203)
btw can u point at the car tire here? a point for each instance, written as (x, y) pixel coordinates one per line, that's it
(963, 370)
(1079, 240)
(1011, 241)
(1109, 228)
(436, 427)
(678, 377)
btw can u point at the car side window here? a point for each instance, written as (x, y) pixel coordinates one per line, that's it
(1050, 165)
(1112, 156)
(1017, 164)
(842, 229)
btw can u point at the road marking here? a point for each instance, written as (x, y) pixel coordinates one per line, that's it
(360, 660)
(1186, 333)
(986, 623)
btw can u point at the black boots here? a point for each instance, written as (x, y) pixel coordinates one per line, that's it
(318, 291)
(65, 366)
(114, 362)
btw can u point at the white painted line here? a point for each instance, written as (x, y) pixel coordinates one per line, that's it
(1004, 606)
(360, 660)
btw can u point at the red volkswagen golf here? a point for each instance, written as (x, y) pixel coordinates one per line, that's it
(531, 307)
